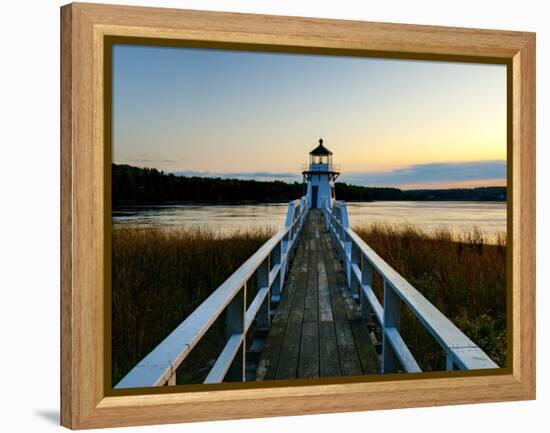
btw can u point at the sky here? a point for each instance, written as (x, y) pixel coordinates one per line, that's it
(252, 115)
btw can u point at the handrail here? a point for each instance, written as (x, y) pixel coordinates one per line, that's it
(360, 263)
(269, 263)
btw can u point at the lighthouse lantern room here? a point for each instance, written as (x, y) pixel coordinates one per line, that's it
(320, 176)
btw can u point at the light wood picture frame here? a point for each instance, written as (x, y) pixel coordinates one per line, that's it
(86, 400)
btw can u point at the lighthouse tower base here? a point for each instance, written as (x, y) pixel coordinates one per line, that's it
(319, 191)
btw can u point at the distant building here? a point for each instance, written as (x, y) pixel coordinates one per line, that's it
(320, 176)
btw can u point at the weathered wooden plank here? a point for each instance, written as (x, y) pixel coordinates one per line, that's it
(311, 311)
(301, 346)
(287, 367)
(335, 282)
(296, 313)
(300, 267)
(267, 364)
(338, 306)
(350, 306)
(308, 364)
(368, 357)
(329, 361)
(269, 358)
(365, 349)
(297, 277)
(350, 365)
(316, 331)
(342, 296)
(325, 307)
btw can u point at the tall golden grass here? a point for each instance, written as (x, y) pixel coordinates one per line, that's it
(463, 275)
(159, 277)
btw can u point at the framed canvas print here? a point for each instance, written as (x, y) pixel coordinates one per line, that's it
(268, 216)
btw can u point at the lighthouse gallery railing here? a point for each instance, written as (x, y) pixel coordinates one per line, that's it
(269, 264)
(360, 263)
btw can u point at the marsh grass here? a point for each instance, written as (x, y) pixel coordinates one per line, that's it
(159, 276)
(463, 275)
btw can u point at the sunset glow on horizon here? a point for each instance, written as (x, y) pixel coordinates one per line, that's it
(252, 115)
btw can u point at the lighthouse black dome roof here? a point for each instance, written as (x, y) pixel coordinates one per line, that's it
(320, 150)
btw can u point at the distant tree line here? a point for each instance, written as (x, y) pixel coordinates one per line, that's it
(490, 193)
(133, 185)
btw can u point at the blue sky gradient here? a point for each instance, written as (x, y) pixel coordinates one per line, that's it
(257, 115)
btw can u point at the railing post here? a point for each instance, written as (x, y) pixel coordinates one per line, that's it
(284, 245)
(328, 214)
(298, 217)
(366, 280)
(339, 228)
(236, 313)
(347, 258)
(450, 365)
(355, 284)
(342, 231)
(284, 262)
(289, 247)
(345, 216)
(294, 228)
(347, 241)
(263, 318)
(390, 363)
(289, 214)
(276, 287)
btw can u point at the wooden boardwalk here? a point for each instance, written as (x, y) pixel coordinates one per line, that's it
(317, 330)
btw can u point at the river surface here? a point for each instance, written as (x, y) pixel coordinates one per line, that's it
(459, 217)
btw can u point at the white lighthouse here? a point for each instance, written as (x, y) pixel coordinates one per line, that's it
(320, 176)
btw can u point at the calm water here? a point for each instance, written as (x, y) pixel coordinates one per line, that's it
(457, 216)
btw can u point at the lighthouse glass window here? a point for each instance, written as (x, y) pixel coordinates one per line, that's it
(306, 217)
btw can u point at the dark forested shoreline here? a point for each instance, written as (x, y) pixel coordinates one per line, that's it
(149, 186)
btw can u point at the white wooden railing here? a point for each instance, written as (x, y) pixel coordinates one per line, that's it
(360, 263)
(269, 264)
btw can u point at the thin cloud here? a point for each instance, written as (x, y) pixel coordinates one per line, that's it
(430, 173)
(419, 174)
(149, 159)
(253, 175)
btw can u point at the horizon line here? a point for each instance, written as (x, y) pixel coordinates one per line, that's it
(286, 178)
